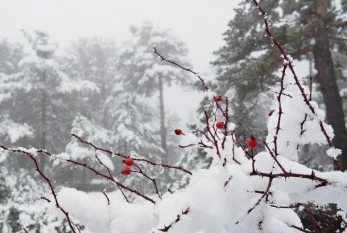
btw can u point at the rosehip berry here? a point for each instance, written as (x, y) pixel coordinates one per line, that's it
(219, 98)
(128, 162)
(178, 131)
(272, 111)
(252, 142)
(220, 124)
(126, 171)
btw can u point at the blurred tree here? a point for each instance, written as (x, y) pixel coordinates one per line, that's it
(143, 74)
(93, 59)
(39, 95)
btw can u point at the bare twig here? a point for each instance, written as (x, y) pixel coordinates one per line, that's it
(108, 199)
(183, 68)
(178, 218)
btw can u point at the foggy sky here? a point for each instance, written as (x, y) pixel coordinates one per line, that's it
(199, 23)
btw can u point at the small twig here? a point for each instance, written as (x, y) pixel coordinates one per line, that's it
(178, 218)
(151, 179)
(227, 182)
(46, 199)
(301, 229)
(284, 94)
(178, 65)
(110, 174)
(108, 200)
(313, 220)
(226, 116)
(274, 157)
(259, 200)
(215, 142)
(310, 86)
(190, 145)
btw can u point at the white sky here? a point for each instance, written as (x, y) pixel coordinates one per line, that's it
(199, 23)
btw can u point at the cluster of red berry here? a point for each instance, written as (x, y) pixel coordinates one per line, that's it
(252, 142)
(128, 162)
(219, 124)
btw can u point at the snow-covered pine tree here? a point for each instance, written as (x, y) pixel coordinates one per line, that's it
(40, 93)
(10, 55)
(79, 177)
(131, 123)
(94, 59)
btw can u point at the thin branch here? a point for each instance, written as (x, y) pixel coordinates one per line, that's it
(178, 65)
(151, 179)
(108, 199)
(178, 218)
(291, 67)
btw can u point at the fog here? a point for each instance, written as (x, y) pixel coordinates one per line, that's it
(199, 23)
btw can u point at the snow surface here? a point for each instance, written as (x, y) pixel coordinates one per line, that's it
(233, 207)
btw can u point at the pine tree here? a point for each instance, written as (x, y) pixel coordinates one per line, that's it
(94, 60)
(39, 95)
(134, 134)
(79, 177)
(10, 55)
(5, 190)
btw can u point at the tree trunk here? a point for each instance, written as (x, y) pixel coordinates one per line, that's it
(43, 122)
(162, 119)
(327, 81)
(103, 100)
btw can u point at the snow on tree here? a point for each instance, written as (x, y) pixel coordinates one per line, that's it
(94, 60)
(12, 131)
(131, 121)
(38, 94)
(10, 55)
(88, 130)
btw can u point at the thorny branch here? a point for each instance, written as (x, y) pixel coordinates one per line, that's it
(178, 218)
(296, 79)
(124, 156)
(89, 167)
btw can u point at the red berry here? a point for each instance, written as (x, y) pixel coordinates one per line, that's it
(128, 162)
(178, 131)
(219, 99)
(220, 124)
(272, 111)
(126, 171)
(252, 142)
